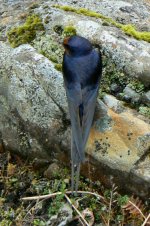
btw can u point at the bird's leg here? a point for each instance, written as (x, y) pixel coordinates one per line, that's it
(75, 167)
(75, 173)
(72, 164)
(72, 177)
(77, 177)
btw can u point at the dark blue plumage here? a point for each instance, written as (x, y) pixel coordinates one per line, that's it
(82, 67)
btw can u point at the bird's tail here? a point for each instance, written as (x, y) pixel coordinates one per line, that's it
(75, 169)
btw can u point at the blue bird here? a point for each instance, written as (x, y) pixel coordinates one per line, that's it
(82, 69)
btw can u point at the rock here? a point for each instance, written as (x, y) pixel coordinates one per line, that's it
(40, 164)
(67, 213)
(117, 150)
(130, 95)
(146, 98)
(34, 119)
(32, 97)
(52, 170)
(130, 55)
(64, 216)
(143, 167)
(127, 12)
(113, 103)
(115, 88)
(103, 121)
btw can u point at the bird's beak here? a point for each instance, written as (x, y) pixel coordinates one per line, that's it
(65, 42)
(66, 46)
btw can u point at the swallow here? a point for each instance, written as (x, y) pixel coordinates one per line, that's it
(82, 70)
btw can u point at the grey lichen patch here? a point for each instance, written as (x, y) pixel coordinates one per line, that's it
(51, 45)
(50, 48)
(104, 124)
(116, 82)
(111, 75)
(4, 108)
(143, 143)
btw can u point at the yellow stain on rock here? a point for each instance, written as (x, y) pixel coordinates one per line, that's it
(119, 147)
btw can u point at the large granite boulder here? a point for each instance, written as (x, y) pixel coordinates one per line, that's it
(34, 122)
(34, 119)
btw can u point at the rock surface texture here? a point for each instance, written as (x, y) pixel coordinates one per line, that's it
(34, 120)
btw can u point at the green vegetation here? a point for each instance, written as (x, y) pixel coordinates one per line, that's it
(127, 29)
(19, 179)
(50, 48)
(25, 33)
(69, 31)
(111, 75)
(144, 111)
(38, 222)
(57, 203)
(58, 67)
(130, 30)
(137, 86)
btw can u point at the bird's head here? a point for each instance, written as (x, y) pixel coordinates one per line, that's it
(77, 45)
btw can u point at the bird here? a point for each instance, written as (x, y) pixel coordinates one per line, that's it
(82, 71)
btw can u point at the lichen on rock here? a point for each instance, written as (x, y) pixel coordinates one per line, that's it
(129, 29)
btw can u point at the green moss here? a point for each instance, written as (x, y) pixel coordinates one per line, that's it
(137, 86)
(69, 31)
(111, 75)
(66, 8)
(53, 59)
(58, 67)
(50, 57)
(144, 111)
(130, 30)
(26, 32)
(127, 29)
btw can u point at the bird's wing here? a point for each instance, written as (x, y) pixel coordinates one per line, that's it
(74, 96)
(80, 134)
(89, 103)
